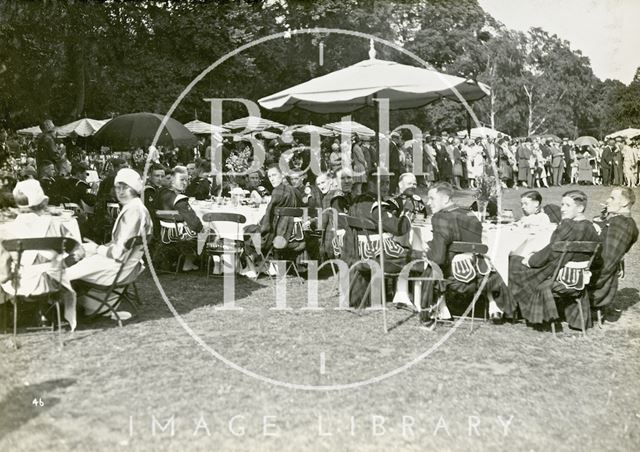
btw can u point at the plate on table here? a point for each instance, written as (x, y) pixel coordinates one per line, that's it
(500, 221)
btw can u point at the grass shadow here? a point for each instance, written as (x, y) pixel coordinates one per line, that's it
(18, 407)
(402, 321)
(185, 291)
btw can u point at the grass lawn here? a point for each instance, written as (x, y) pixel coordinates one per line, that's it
(152, 386)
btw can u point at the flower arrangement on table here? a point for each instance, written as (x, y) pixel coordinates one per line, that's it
(239, 161)
(488, 190)
(236, 164)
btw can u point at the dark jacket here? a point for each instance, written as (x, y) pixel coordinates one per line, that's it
(170, 200)
(199, 188)
(272, 226)
(449, 225)
(46, 150)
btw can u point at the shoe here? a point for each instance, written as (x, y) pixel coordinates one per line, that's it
(496, 318)
(251, 274)
(123, 315)
(190, 268)
(404, 306)
(429, 325)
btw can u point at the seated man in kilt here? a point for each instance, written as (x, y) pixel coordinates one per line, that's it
(395, 248)
(454, 224)
(530, 278)
(172, 198)
(619, 233)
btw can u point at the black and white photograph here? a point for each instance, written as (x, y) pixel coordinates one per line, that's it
(332, 225)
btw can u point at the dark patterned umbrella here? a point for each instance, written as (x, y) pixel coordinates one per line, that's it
(138, 129)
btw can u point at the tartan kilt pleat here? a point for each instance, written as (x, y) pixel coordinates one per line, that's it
(527, 286)
(501, 294)
(542, 307)
(569, 305)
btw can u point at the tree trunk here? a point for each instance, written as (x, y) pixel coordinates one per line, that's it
(80, 83)
(493, 111)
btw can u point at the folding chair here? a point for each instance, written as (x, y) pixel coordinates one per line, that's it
(473, 272)
(112, 212)
(364, 227)
(60, 245)
(570, 281)
(218, 247)
(282, 244)
(120, 286)
(172, 232)
(75, 208)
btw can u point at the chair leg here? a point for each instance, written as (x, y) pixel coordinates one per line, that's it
(135, 299)
(364, 297)
(553, 329)
(57, 303)
(473, 314)
(15, 317)
(582, 323)
(180, 259)
(599, 313)
(441, 299)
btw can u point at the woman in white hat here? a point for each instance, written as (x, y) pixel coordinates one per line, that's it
(39, 270)
(101, 265)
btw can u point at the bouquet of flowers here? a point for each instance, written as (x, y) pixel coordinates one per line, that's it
(488, 188)
(239, 161)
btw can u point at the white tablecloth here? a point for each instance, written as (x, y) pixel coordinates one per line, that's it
(502, 241)
(227, 229)
(32, 280)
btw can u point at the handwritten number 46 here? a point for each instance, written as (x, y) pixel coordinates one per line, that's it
(37, 402)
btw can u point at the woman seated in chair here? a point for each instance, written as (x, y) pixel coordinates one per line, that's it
(101, 263)
(530, 277)
(39, 270)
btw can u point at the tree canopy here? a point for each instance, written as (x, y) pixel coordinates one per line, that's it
(70, 59)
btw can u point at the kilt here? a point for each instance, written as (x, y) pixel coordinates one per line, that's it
(534, 292)
(604, 295)
(524, 283)
(463, 293)
(361, 278)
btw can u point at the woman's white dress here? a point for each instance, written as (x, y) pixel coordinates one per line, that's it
(40, 271)
(102, 267)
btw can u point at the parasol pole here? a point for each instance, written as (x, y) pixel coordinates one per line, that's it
(383, 294)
